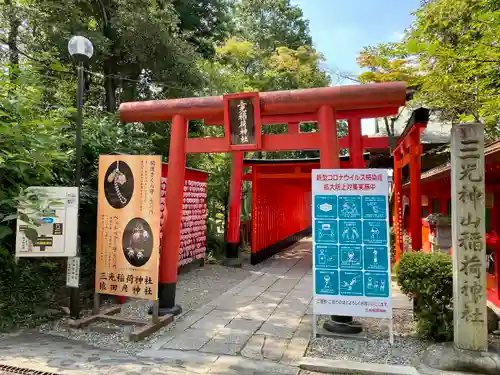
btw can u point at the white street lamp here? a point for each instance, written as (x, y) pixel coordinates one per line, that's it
(81, 50)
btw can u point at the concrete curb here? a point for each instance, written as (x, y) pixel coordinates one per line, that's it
(332, 366)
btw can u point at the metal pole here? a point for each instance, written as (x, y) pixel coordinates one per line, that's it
(75, 292)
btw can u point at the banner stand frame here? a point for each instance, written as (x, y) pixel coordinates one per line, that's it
(144, 327)
(364, 337)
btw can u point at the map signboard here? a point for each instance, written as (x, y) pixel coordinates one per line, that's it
(351, 262)
(45, 222)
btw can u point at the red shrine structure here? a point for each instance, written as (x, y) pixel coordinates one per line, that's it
(282, 200)
(428, 192)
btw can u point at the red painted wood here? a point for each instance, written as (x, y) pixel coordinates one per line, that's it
(169, 257)
(312, 117)
(355, 143)
(328, 144)
(293, 127)
(398, 207)
(280, 142)
(233, 220)
(290, 142)
(280, 208)
(415, 193)
(355, 97)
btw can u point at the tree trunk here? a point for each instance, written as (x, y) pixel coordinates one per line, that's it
(109, 86)
(14, 23)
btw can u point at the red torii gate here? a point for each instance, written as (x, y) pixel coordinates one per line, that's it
(324, 105)
(408, 151)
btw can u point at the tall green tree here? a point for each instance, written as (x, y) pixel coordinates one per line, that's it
(204, 22)
(138, 47)
(271, 24)
(451, 54)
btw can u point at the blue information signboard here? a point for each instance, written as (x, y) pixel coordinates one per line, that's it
(351, 242)
(325, 206)
(326, 256)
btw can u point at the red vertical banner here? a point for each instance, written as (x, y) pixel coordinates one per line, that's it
(398, 207)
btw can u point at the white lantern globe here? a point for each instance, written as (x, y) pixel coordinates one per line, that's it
(80, 48)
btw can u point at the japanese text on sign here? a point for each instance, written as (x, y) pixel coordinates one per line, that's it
(351, 243)
(472, 262)
(468, 240)
(128, 227)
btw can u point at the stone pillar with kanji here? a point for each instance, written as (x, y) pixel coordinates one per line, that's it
(470, 352)
(468, 236)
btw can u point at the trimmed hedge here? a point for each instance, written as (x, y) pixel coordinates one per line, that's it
(427, 278)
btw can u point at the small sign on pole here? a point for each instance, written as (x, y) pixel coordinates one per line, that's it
(351, 253)
(73, 272)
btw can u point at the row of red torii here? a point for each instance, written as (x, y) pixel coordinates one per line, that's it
(243, 116)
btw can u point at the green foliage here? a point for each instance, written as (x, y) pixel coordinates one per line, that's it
(451, 54)
(392, 239)
(428, 279)
(28, 290)
(271, 24)
(142, 50)
(31, 141)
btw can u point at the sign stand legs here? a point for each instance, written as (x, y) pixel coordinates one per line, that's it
(143, 328)
(97, 304)
(391, 331)
(314, 322)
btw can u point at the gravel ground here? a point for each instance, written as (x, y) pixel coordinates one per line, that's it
(194, 289)
(375, 348)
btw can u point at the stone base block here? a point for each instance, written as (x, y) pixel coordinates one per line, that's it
(446, 359)
(335, 326)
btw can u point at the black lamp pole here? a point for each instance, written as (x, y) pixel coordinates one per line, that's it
(74, 301)
(81, 50)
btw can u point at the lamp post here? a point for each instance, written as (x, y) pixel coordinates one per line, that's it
(81, 50)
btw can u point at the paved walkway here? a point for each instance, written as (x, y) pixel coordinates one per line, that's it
(260, 326)
(264, 317)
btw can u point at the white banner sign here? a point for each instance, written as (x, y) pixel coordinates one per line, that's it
(73, 272)
(351, 247)
(46, 224)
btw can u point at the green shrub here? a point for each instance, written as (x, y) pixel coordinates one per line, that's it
(392, 237)
(28, 290)
(428, 279)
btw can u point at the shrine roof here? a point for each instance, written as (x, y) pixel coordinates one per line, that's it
(269, 162)
(491, 155)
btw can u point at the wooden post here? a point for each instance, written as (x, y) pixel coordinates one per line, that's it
(293, 128)
(169, 256)
(355, 144)
(415, 193)
(468, 230)
(329, 145)
(233, 221)
(398, 206)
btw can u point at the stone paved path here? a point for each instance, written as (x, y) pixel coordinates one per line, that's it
(260, 326)
(263, 318)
